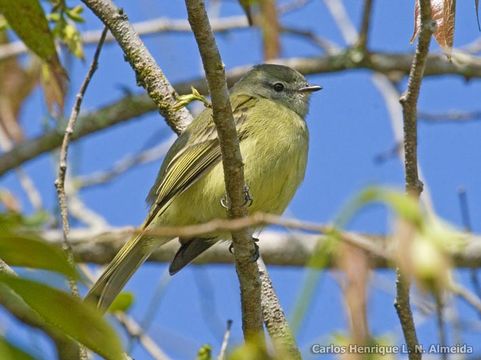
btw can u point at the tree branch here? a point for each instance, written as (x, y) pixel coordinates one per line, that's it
(413, 185)
(275, 319)
(148, 73)
(247, 271)
(62, 168)
(278, 248)
(365, 25)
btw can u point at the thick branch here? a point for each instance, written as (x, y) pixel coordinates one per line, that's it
(136, 105)
(276, 324)
(148, 73)
(278, 248)
(247, 271)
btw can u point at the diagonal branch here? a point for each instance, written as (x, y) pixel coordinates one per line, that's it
(148, 73)
(247, 271)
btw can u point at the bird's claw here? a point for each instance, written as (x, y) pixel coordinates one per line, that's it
(255, 255)
(224, 202)
(248, 200)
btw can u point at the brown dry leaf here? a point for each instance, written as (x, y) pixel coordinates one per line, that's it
(10, 202)
(16, 84)
(28, 20)
(54, 83)
(443, 12)
(270, 29)
(354, 263)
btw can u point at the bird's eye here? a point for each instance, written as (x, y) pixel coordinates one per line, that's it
(278, 87)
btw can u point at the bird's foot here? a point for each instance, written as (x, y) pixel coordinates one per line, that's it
(248, 200)
(255, 254)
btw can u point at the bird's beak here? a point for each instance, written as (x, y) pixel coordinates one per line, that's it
(310, 88)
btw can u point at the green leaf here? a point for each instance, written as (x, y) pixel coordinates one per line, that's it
(9, 351)
(18, 249)
(74, 318)
(205, 352)
(27, 19)
(122, 302)
(404, 205)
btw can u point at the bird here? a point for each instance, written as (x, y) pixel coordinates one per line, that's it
(270, 104)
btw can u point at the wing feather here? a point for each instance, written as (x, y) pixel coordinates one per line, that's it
(189, 159)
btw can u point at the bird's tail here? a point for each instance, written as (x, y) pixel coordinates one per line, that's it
(118, 272)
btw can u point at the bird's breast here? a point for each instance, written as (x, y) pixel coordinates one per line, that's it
(275, 159)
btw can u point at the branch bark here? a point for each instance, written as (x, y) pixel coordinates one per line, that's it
(278, 248)
(247, 271)
(148, 73)
(409, 102)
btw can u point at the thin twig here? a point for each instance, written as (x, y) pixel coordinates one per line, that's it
(247, 271)
(338, 12)
(132, 327)
(438, 297)
(225, 341)
(60, 181)
(466, 219)
(457, 117)
(365, 25)
(466, 295)
(409, 102)
(27, 184)
(123, 165)
(135, 330)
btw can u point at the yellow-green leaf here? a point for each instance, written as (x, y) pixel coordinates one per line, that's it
(19, 249)
(9, 351)
(404, 205)
(28, 20)
(122, 302)
(74, 318)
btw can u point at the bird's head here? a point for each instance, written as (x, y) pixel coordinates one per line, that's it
(279, 83)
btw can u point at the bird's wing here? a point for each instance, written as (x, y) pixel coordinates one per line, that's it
(189, 159)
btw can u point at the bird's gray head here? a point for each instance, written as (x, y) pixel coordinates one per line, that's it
(279, 83)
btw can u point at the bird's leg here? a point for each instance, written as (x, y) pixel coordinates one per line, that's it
(255, 254)
(224, 202)
(247, 196)
(248, 200)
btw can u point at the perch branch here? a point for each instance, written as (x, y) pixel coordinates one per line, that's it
(247, 271)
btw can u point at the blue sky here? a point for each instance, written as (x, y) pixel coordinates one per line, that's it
(349, 126)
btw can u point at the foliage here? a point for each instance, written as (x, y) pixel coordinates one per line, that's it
(82, 322)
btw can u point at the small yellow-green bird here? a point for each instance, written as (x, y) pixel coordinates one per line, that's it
(270, 104)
